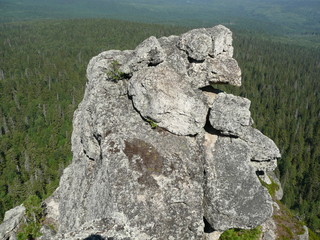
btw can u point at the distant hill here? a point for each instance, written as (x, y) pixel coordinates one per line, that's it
(294, 20)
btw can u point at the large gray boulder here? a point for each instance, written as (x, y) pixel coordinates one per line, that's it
(191, 177)
(231, 116)
(210, 53)
(154, 94)
(197, 43)
(215, 70)
(233, 195)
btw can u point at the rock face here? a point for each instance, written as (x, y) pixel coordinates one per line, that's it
(157, 153)
(11, 222)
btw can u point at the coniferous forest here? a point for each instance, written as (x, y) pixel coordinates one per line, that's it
(42, 80)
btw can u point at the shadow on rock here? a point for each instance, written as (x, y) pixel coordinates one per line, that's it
(96, 237)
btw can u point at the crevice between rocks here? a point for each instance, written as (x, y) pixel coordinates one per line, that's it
(98, 138)
(191, 60)
(211, 89)
(209, 129)
(90, 158)
(207, 227)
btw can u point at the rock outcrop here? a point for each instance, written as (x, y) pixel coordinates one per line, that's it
(11, 222)
(157, 152)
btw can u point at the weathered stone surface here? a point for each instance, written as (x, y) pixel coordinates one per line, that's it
(215, 235)
(100, 65)
(139, 182)
(163, 96)
(52, 214)
(128, 181)
(268, 229)
(305, 235)
(197, 43)
(230, 115)
(233, 199)
(176, 59)
(11, 222)
(149, 52)
(47, 233)
(215, 70)
(222, 41)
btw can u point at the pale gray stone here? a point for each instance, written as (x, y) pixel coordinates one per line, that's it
(269, 230)
(165, 97)
(147, 53)
(305, 235)
(230, 115)
(13, 219)
(222, 41)
(137, 182)
(233, 195)
(215, 70)
(51, 211)
(215, 235)
(176, 59)
(197, 43)
(47, 233)
(100, 65)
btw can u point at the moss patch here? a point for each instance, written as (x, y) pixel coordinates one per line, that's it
(241, 234)
(272, 188)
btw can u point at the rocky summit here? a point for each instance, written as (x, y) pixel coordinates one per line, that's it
(158, 153)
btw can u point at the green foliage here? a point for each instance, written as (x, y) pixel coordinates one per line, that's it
(240, 234)
(272, 188)
(152, 123)
(312, 235)
(31, 229)
(114, 73)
